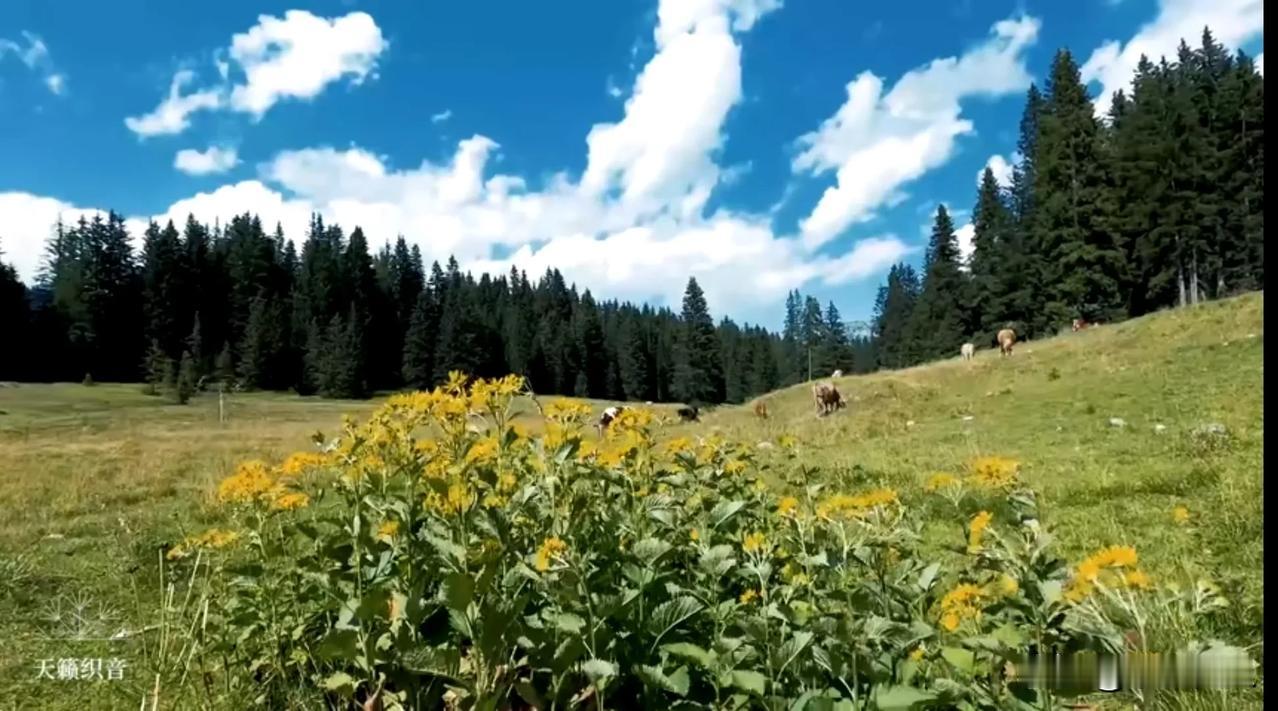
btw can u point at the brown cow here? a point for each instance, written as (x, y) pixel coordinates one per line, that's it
(1006, 339)
(761, 410)
(827, 398)
(1080, 324)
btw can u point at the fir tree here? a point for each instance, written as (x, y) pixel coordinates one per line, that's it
(698, 371)
(935, 327)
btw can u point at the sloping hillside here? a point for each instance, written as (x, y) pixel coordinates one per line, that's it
(1171, 378)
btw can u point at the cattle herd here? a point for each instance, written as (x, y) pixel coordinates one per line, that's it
(827, 397)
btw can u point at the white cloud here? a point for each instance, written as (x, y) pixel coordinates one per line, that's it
(1002, 170)
(1260, 63)
(214, 159)
(171, 116)
(294, 57)
(35, 55)
(442, 116)
(877, 142)
(28, 221)
(1232, 22)
(301, 54)
(965, 235)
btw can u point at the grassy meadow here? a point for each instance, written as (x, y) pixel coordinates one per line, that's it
(1114, 427)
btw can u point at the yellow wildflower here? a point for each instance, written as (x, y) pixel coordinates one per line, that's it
(1089, 572)
(1007, 585)
(752, 542)
(976, 529)
(917, 654)
(459, 497)
(787, 505)
(940, 480)
(678, 445)
(388, 530)
(734, 466)
(550, 548)
(749, 596)
(1180, 515)
(993, 472)
(212, 538)
(482, 451)
(694, 535)
(506, 482)
(289, 500)
(250, 481)
(299, 462)
(1136, 579)
(787, 441)
(852, 506)
(964, 602)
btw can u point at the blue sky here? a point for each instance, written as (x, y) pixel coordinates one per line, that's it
(760, 145)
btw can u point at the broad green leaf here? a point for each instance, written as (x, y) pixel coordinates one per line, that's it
(902, 698)
(691, 652)
(340, 682)
(650, 549)
(750, 681)
(1010, 636)
(456, 591)
(928, 575)
(724, 511)
(1050, 590)
(793, 647)
(570, 623)
(655, 677)
(598, 669)
(962, 659)
(670, 614)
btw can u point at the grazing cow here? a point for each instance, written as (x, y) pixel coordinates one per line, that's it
(827, 398)
(1006, 339)
(837, 374)
(967, 351)
(1080, 324)
(689, 414)
(761, 410)
(608, 417)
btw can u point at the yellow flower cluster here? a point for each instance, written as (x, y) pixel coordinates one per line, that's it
(628, 421)
(565, 411)
(494, 395)
(753, 542)
(787, 505)
(940, 480)
(846, 506)
(250, 482)
(551, 548)
(1112, 567)
(388, 530)
(749, 596)
(299, 463)
(1180, 515)
(678, 446)
(212, 538)
(993, 472)
(483, 451)
(734, 467)
(290, 500)
(976, 529)
(964, 602)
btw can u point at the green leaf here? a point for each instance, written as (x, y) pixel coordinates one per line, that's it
(928, 576)
(902, 698)
(568, 622)
(655, 677)
(598, 669)
(962, 659)
(1050, 590)
(724, 511)
(691, 652)
(793, 647)
(339, 645)
(456, 591)
(749, 681)
(650, 549)
(671, 614)
(342, 683)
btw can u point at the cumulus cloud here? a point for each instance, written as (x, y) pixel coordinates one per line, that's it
(28, 222)
(34, 53)
(1002, 168)
(1232, 22)
(965, 235)
(214, 159)
(877, 142)
(293, 57)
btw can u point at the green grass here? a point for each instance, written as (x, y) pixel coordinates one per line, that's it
(94, 481)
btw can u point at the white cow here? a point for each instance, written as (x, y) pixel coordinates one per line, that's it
(837, 374)
(967, 351)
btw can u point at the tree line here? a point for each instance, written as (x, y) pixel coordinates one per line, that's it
(239, 305)
(1158, 205)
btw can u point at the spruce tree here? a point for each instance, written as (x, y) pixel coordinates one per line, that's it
(185, 383)
(15, 322)
(419, 343)
(991, 223)
(698, 370)
(892, 314)
(155, 368)
(935, 327)
(225, 367)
